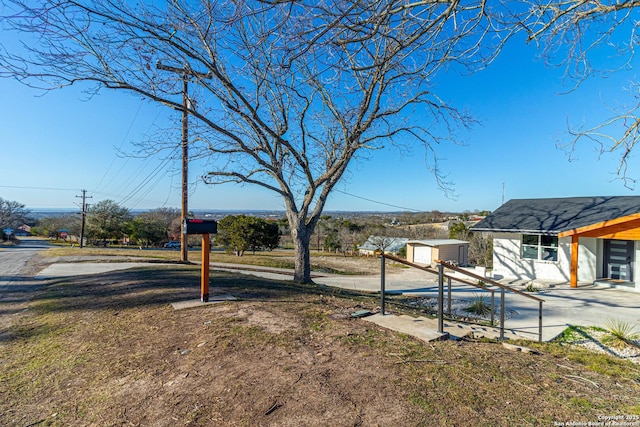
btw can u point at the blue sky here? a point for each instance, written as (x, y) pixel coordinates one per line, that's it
(56, 144)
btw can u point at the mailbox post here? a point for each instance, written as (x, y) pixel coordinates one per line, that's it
(206, 227)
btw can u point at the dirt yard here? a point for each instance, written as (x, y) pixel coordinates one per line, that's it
(110, 350)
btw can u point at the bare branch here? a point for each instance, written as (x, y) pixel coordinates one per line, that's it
(295, 90)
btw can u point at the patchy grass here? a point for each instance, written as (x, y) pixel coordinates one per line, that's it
(324, 262)
(590, 346)
(109, 349)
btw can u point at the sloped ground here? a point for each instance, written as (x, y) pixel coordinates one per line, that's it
(109, 350)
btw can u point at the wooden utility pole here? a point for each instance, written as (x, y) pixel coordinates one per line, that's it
(186, 73)
(84, 215)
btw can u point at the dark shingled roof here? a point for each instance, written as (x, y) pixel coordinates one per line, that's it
(552, 216)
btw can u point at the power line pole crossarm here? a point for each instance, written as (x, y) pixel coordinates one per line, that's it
(187, 73)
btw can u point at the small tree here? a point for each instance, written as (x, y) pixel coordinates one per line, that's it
(459, 230)
(147, 230)
(51, 226)
(481, 249)
(107, 220)
(238, 234)
(155, 226)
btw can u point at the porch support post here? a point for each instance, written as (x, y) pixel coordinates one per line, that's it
(574, 261)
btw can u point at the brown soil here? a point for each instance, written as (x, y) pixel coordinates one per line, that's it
(109, 349)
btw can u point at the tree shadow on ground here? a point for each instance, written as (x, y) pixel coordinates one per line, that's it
(158, 286)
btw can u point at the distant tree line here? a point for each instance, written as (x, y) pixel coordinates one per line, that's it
(108, 222)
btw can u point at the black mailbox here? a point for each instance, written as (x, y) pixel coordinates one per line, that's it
(200, 226)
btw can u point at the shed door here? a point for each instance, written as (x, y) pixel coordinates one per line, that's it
(618, 259)
(422, 255)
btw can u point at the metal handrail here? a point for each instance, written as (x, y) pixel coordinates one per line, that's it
(449, 278)
(441, 275)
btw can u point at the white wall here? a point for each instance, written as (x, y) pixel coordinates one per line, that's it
(508, 263)
(588, 268)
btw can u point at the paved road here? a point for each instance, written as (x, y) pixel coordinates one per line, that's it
(17, 285)
(13, 262)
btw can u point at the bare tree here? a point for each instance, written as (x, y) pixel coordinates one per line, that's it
(577, 34)
(12, 214)
(294, 90)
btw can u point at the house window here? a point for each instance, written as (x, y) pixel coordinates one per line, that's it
(544, 248)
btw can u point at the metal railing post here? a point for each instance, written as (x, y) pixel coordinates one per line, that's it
(382, 284)
(502, 313)
(440, 298)
(539, 321)
(449, 296)
(493, 307)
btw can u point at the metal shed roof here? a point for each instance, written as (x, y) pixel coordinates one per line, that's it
(438, 242)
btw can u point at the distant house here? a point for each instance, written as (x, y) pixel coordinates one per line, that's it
(425, 252)
(23, 230)
(376, 244)
(577, 239)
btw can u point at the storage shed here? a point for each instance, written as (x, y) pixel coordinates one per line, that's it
(425, 252)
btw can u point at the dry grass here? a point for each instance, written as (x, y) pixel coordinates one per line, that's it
(321, 261)
(109, 350)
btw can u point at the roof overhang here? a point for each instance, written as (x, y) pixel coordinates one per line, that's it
(515, 230)
(626, 227)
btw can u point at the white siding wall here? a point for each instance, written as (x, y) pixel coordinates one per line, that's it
(508, 263)
(587, 259)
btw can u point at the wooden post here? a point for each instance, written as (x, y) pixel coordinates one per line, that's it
(204, 275)
(573, 281)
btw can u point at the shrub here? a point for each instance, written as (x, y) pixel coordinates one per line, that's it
(620, 332)
(479, 305)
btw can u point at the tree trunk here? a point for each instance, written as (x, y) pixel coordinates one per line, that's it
(301, 235)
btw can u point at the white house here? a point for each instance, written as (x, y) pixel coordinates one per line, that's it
(425, 252)
(577, 239)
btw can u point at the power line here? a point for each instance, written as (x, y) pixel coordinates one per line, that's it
(378, 202)
(126, 135)
(38, 188)
(153, 174)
